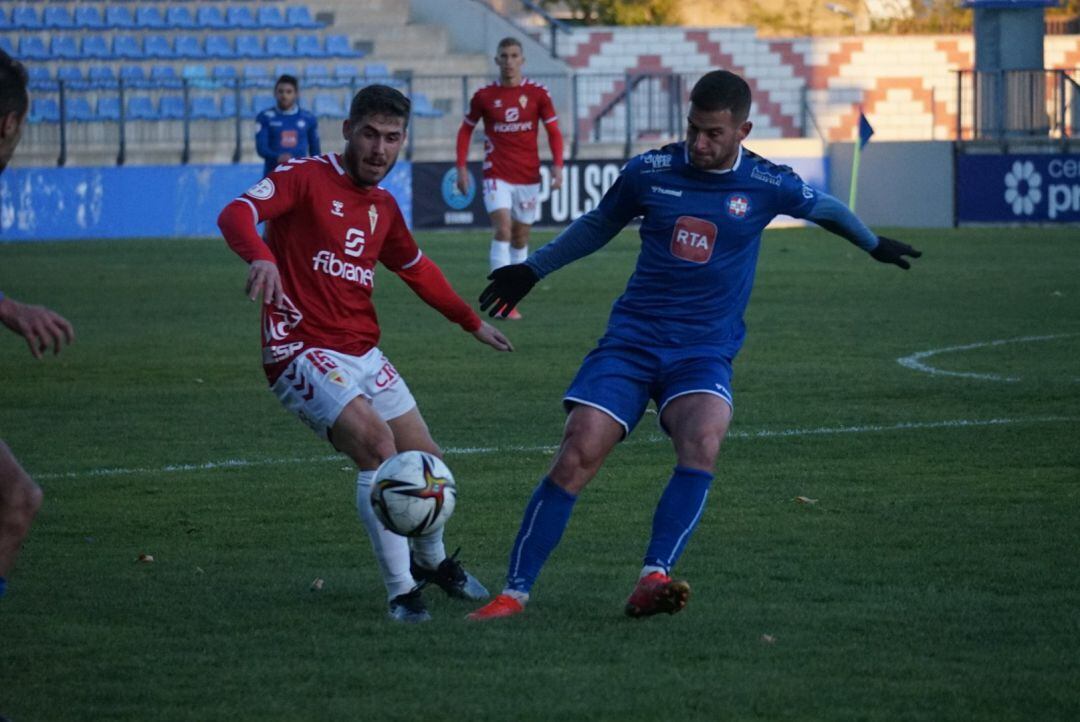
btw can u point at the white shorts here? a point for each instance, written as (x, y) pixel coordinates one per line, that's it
(522, 200)
(318, 384)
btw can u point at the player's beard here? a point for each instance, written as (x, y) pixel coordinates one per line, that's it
(364, 173)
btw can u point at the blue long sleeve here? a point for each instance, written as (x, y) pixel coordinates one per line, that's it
(587, 234)
(835, 217)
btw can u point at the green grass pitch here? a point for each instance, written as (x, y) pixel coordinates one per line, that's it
(935, 577)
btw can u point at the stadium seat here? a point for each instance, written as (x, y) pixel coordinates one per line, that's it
(6, 45)
(102, 76)
(25, 17)
(119, 16)
(5, 19)
(346, 71)
(328, 105)
(239, 16)
(228, 105)
(95, 46)
(38, 73)
(141, 107)
(287, 69)
(171, 107)
(59, 18)
(269, 16)
(223, 72)
(309, 46)
(179, 17)
(64, 47)
(280, 46)
(249, 46)
(157, 46)
(149, 17)
(219, 46)
(89, 17)
(298, 16)
(108, 107)
(71, 75)
(31, 47)
(78, 109)
(205, 107)
(133, 76)
(317, 75)
(259, 103)
(376, 70)
(339, 46)
(210, 16)
(44, 110)
(127, 46)
(164, 76)
(422, 107)
(257, 76)
(189, 46)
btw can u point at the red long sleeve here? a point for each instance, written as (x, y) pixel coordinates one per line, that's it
(428, 282)
(464, 135)
(237, 224)
(555, 140)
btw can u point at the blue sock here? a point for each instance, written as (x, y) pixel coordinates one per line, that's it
(676, 515)
(546, 517)
(3, 586)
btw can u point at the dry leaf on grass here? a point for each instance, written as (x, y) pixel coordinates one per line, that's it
(805, 500)
(768, 639)
(146, 558)
(317, 585)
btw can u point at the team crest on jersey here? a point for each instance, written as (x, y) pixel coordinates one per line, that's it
(693, 239)
(263, 190)
(373, 216)
(338, 378)
(738, 205)
(524, 100)
(337, 208)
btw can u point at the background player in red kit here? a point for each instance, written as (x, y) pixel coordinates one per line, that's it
(328, 223)
(512, 110)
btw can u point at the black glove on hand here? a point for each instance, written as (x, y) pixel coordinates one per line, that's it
(890, 251)
(508, 286)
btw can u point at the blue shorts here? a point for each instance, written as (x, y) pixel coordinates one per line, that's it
(620, 378)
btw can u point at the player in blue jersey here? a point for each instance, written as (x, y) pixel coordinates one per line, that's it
(286, 130)
(20, 497)
(673, 333)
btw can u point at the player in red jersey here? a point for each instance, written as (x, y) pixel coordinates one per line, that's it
(512, 109)
(328, 222)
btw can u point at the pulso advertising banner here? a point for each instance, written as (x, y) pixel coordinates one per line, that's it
(1038, 188)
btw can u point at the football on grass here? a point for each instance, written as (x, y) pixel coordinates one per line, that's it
(414, 493)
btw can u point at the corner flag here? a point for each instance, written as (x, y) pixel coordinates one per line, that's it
(865, 131)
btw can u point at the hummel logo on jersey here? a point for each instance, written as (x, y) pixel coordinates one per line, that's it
(759, 174)
(498, 102)
(336, 208)
(667, 191)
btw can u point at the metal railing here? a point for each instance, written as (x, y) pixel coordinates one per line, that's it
(1016, 104)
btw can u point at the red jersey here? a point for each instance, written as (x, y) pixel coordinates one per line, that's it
(512, 117)
(325, 234)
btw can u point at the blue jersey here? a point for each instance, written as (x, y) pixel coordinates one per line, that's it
(295, 132)
(700, 234)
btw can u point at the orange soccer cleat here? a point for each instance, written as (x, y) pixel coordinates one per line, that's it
(501, 606)
(657, 593)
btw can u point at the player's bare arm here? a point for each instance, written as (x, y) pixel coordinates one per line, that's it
(264, 281)
(41, 327)
(492, 337)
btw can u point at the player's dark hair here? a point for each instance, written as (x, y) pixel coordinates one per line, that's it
(722, 90)
(507, 42)
(288, 80)
(379, 100)
(13, 79)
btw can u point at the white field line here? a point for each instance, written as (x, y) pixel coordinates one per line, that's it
(914, 360)
(475, 450)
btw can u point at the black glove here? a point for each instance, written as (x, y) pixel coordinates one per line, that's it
(890, 251)
(508, 286)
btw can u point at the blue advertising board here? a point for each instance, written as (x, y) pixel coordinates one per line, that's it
(1012, 188)
(38, 204)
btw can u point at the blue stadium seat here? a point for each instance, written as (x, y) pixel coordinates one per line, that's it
(141, 107)
(327, 104)
(25, 17)
(171, 107)
(269, 16)
(5, 19)
(422, 107)
(249, 46)
(223, 72)
(317, 75)
(88, 17)
(39, 73)
(158, 46)
(127, 46)
(280, 46)
(149, 17)
(6, 45)
(298, 16)
(164, 76)
(219, 46)
(339, 46)
(287, 69)
(102, 76)
(376, 70)
(309, 46)
(205, 107)
(239, 16)
(71, 75)
(133, 76)
(210, 16)
(228, 105)
(58, 17)
(257, 76)
(78, 109)
(44, 110)
(119, 16)
(64, 47)
(346, 71)
(31, 47)
(95, 46)
(189, 46)
(108, 107)
(179, 17)
(261, 102)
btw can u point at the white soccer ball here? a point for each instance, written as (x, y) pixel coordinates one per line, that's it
(414, 493)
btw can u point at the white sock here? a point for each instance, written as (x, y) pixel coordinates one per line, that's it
(646, 571)
(429, 549)
(500, 254)
(518, 255)
(522, 597)
(391, 550)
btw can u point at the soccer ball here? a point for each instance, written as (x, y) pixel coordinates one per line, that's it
(413, 493)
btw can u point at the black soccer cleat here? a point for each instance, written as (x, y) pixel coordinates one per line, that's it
(451, 577)
(409, 608)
